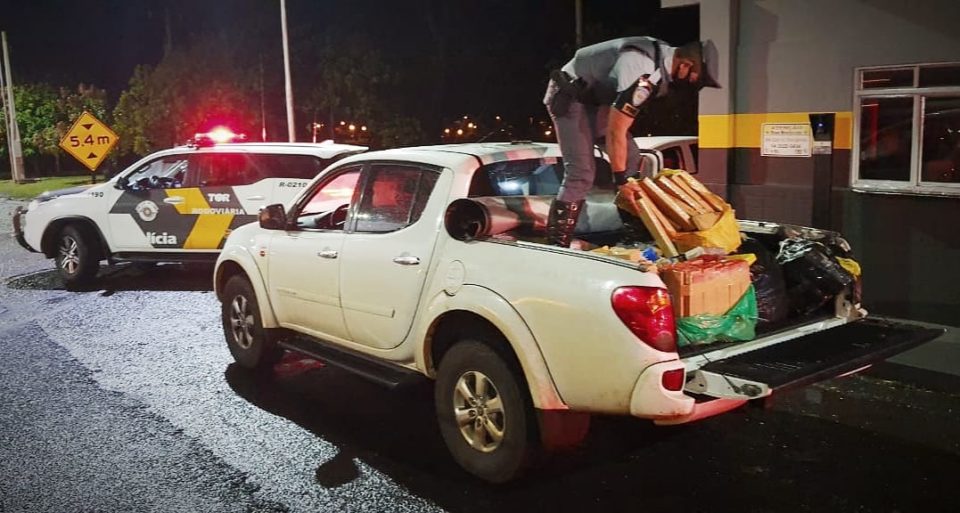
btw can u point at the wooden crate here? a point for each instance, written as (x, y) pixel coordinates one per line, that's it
(708, 285)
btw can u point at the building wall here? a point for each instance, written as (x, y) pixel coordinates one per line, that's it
(788, 58)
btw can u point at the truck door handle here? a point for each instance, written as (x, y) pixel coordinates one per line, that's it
(407, 260)
(328, 253)
(173, 200)
(255, 198)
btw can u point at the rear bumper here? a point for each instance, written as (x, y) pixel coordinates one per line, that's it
(650, 400)
(808, 359)
(730, 382)
(18, 224)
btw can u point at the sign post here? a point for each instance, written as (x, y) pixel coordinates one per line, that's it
(89, 141)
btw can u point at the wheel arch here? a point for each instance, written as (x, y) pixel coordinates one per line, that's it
(48, 242)
(236, 261)
(476, 309)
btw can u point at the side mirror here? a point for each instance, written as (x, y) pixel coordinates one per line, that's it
(273, 217)
(651, 162)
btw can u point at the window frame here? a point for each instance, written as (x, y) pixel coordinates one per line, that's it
(361, 191)
(328, 176)
(915, 185)
(125, 177)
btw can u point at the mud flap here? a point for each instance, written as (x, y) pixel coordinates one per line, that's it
(808, 359)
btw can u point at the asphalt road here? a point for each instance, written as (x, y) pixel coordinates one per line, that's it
(124, 398)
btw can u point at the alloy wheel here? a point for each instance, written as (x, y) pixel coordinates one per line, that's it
(69, 252)
(242, 322)
(479, 411)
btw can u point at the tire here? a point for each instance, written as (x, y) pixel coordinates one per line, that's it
(76, 256)
(252, 346)
(472, 368)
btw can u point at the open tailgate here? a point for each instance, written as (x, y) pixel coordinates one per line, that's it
(807, 359)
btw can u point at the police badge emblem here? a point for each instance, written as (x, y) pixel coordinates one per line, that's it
(147, 210)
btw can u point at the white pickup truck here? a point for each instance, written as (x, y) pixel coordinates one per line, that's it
(373, 269)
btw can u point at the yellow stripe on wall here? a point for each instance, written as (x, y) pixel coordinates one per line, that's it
(743, 130)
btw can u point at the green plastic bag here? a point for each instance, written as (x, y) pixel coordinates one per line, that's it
(736, 325)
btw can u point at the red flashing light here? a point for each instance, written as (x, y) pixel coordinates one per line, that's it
(218, 135)
(648, 313)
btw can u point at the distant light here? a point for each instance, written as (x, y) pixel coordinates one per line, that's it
(343, 123)
(459, 131)
(352, 127)
(465, 117)
(471, 125)
(498, 118)
(548, 132)
(446, 130)
(364, 128)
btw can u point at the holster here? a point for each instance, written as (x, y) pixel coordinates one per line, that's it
(568, 91)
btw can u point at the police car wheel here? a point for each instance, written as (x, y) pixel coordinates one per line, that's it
(76, 257)
(252, 346)
(485, 414)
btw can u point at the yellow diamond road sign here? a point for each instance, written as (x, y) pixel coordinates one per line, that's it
(89, 140)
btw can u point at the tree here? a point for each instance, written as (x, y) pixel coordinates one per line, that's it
(69, 104)
(189, 91)
(45, 113)
(348, 80)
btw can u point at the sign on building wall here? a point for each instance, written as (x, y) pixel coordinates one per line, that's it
(785, 140)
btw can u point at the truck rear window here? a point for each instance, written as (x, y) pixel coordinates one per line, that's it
(529, 177)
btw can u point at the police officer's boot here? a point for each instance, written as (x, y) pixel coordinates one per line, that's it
(562, 221)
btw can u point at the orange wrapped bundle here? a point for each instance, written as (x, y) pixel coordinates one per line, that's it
(707, 285)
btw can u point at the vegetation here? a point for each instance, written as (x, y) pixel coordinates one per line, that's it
(26, 191)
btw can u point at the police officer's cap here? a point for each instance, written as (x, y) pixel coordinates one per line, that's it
(710, 69)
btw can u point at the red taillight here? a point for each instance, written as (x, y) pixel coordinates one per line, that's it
(649, 315)
(673, 379)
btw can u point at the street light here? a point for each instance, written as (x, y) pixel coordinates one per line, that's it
(286, 71)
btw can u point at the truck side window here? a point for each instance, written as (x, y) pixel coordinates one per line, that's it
(394, 197)
(222, 169)
(284, 166)
(327, 206)
(165, 173)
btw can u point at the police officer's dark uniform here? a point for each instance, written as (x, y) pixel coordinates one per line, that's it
(620, 74)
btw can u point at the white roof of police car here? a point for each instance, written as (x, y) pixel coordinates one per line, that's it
(453, 155)
(324, 150)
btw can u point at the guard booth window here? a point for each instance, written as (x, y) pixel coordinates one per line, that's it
(908, 129)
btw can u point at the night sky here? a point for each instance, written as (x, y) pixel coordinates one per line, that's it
(498, 51)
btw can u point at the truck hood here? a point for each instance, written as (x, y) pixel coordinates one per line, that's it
(49, 195)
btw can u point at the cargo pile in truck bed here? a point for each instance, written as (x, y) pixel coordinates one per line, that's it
(680, 212)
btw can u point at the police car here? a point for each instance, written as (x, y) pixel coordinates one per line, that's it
(175, 205)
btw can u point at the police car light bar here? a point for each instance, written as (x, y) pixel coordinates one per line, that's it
(218, 135)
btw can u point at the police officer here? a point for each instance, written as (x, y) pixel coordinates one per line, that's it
(598, 94)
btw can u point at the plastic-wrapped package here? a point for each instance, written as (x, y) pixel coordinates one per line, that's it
(738, 324)
(812, 274)
(768, 283)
